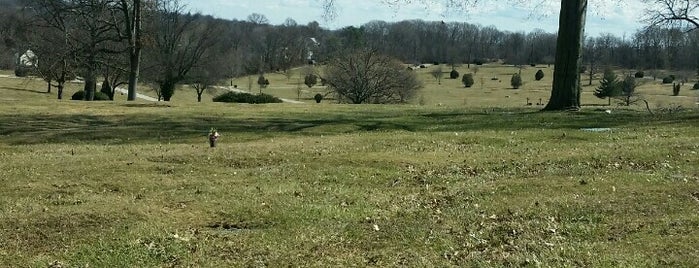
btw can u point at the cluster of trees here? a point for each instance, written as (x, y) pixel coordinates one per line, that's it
(652, 48)
(160, 42)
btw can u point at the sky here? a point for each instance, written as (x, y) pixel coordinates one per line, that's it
(618, 17)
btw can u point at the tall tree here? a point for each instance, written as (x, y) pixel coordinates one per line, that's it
(181, 41)
(89, 35)
(131, 31)
(565, 94)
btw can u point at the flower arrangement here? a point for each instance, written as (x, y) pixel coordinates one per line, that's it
(213, 136)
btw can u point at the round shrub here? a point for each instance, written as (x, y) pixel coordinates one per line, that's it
(240, 97)
(516, 81)
(467, 79)
(310, 80)
(101, 96)
(80, 95)
(21, 72)
(696, 86)
(318, 98)
(668, 80)
(639, 74)
(454, 74)
(539, 75)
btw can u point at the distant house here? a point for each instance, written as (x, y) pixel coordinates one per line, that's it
(25, 63)
(28, 60)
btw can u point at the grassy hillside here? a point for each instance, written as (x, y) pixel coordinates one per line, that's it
(117, 184)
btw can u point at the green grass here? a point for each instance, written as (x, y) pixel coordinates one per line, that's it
(117, 184)
(491, 93)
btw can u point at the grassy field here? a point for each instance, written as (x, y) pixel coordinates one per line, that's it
(470, 178)
(491, 89)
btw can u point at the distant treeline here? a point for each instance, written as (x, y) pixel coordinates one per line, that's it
(255, 46)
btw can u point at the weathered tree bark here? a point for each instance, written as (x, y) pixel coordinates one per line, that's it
(565, 94)
(90, 76)
(90, 86)
(134, 47)
(199, 96)
(60, 91)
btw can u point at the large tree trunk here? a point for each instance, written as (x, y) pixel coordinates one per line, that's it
(592, 69)
(135, 59)
(107, 88)
(60, 91)
(90, 85)
(199, 93)
(565, 94)
(135, 50)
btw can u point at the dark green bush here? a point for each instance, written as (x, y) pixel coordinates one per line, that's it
(262, 81)
(668, 80)
(467, 79)
(80, 95)
(639, 74)
(101, 96)
(21, 72)
(454, 74)
(516, 81)
(696, 86)
(107, 89)
(583, 69)
(236, 97)
(310, 80)
(539, 75)
(318, 98)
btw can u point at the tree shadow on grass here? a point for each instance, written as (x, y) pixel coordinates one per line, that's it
(150, 128)
(25, 90)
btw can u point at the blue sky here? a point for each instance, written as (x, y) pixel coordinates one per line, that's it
(619, 17)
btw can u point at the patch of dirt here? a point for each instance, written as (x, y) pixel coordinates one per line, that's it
(240, 225)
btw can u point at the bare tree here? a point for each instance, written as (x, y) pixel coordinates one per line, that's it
(437, 73)
(180, 42)
(83, 35)
(57, 63)
(258, 18)
(364, 76)
(673, 12)
(209, 72)
(131, 31)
